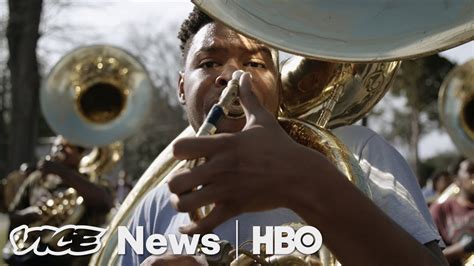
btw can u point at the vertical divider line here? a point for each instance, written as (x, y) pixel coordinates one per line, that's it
(236, 238)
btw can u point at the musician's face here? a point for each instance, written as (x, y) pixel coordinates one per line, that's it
(214, 54)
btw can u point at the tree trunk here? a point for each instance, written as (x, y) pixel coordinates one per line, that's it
(414, 138)
(4, 81)
(22, 35)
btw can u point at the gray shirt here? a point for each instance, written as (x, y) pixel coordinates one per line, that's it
(394, 187)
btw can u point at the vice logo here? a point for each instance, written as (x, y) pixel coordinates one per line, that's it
(76, 240)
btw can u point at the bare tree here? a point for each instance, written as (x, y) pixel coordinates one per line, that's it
(418, 81)
(24, 22)
(23, 34)
(4, 91)
(159, 52)
(60, 35)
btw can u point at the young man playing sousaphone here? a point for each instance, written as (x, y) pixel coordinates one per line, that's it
(256, 173)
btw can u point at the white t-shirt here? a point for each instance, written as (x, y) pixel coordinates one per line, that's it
(394, 190)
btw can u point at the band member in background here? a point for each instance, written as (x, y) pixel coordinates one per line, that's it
(439, 182)
(55, 175)
(256, 173)
(455, 217)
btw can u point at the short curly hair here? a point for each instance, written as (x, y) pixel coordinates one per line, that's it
(195, 21)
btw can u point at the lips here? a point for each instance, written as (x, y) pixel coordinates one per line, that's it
(236, 110)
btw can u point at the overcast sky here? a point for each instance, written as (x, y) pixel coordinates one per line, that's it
(109, 22)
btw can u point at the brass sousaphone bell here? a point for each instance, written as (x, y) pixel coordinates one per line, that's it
(345, 31)
(96, 96)
(456, 107)
(456, 112)
(349, 31)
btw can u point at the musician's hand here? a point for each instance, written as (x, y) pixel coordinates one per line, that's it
(95, 196)
(51, 167)
(25, 216)
(460, 250)
(467, 243)
(169, 259)
(257, 169)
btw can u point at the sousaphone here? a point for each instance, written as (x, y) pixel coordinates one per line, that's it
(95, 96)
(358, 43)
(456, 107)
(456, 111)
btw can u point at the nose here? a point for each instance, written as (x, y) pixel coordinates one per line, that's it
(225, 76)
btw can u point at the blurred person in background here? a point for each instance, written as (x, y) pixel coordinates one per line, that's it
(436, 185)
(455, 217)
(53, 176)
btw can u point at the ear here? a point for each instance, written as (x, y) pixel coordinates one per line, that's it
(181, 98)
